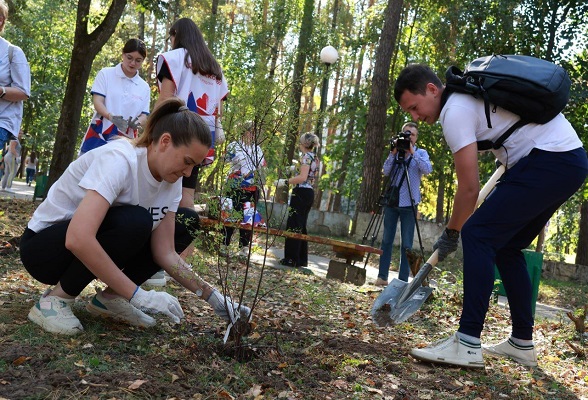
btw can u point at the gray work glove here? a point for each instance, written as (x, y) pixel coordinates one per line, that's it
(225, 308)
(154, 302)
(120, 123)
(133, 123)
(447, 243)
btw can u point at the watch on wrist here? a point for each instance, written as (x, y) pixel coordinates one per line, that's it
(3, 92)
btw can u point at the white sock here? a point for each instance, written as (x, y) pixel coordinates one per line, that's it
(522, 342)
(468, 338)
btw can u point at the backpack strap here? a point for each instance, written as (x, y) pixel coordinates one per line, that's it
(490, 145)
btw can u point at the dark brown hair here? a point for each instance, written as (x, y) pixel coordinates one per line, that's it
(135, 45)
(414, 78)
(184, 126)
(198, 58)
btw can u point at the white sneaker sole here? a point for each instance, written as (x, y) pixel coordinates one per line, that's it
(100, 312)
(37, 317)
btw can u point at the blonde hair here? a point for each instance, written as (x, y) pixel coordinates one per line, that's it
(4, 12)
(309, 140)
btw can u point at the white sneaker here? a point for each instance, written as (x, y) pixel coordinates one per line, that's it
(525, 355)
(452, 350)
(243, 252)
(9, 190)
(119, 309)
(54, 314)
(158, 279)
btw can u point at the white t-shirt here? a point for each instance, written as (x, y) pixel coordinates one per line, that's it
(245, 159)
(118, 171)
(202, 94)
(128, 97)
(464, 122)
(13, 74)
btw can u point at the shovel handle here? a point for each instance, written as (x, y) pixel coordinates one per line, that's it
(490, 185)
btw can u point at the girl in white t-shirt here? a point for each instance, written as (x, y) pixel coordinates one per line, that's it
(190, 72)
(120, 97)
(112, 216)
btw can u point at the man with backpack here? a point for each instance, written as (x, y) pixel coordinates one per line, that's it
(545, 165)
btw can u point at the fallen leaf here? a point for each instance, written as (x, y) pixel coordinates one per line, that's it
(20, 360)
(137, 384)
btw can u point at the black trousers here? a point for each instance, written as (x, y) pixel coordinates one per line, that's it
(125, 235)
(239, 197)
(300, 205)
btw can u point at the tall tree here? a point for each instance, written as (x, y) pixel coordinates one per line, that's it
(379, 102)
(86, 47)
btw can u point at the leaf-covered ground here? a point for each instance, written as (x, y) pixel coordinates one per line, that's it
(313, 339)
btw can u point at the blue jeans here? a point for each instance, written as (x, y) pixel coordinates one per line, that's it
(407, 224)
(511, 217)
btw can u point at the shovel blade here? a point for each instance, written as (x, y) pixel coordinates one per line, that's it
(387, 309)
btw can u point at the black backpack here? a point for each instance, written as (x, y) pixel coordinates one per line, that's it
(534, 89)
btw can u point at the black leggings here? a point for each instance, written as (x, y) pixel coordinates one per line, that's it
(300, 205)
(125, 235)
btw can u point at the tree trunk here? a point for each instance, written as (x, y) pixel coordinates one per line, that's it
(379, 101)
(582, 251)
(86, 47)
(297, 84)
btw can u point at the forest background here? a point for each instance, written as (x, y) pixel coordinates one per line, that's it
(269, 51)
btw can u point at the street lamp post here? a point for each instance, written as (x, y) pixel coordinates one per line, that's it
(328, 56)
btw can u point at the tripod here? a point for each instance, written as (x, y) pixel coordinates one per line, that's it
(398, 174)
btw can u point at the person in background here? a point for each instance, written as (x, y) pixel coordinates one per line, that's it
(11, 163)
(120, 97)
(295, 250)
(246, 159)
(190, 71)
(417, 164)
(15, 83)
(31, 164)
(545, 165)
(95, 225)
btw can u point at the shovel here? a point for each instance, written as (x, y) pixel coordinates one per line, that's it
(401, 299)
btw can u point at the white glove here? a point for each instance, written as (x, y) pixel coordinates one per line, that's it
(281, 182)
(157, 302)
(120, 123)
(225, 308)
(134, 123)
(219, 133)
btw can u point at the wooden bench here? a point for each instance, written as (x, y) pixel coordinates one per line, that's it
(350, 252)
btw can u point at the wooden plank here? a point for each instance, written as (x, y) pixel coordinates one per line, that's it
(352, 247)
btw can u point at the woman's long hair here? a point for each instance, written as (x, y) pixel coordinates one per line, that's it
(33, 157)
(198, 58)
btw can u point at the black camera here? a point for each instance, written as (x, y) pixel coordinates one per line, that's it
(401, 142)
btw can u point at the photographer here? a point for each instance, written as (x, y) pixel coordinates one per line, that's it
(417, 163)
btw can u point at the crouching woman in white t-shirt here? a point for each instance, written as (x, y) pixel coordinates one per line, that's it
(112, 216)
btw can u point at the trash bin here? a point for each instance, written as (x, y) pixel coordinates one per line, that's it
(40, 186)
(534, 267)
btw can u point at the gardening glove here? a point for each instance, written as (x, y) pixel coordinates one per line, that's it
(157, 302)
(134, 123)
(120, 123)
(219, 133)
(226, 308)
(281, 182)
(447, 243)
